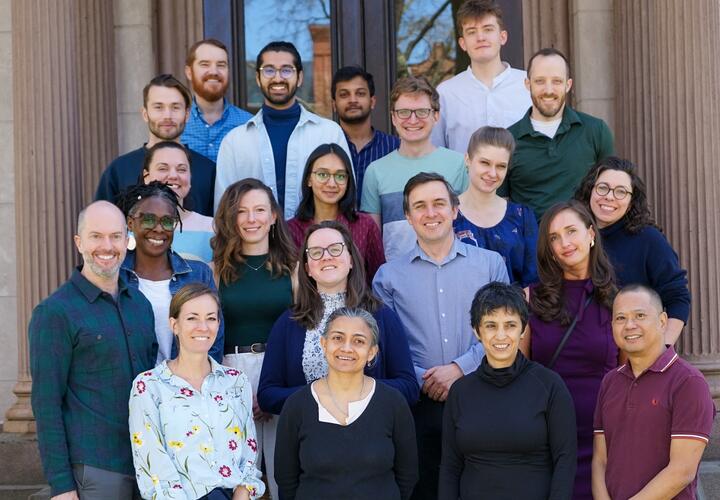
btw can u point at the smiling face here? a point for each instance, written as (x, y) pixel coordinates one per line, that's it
(102, 241)
(413, 129)
(255, 217)
(197, 325)
(431, 213)
(570, 242)
(154, 241)
(638, 324)
(499, 331)
(330, 273)
(330, 192)
(348, 346)
(482, 38)
(209, 72)
(165, 113)
(279, 92)
(548, 85)
(487, 168)
(172, 167)
(607, 209)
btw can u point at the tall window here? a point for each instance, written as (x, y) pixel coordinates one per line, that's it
(425, 37)
(306, 24)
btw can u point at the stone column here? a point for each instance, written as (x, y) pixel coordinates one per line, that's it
(178, 24)
(64, 135)
(322, 68)
(546, 24)
(668, 122)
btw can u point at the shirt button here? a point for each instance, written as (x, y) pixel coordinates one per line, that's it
(207, 126)
(129, 333)
(442, 314)
(445, 340)
(441, 290)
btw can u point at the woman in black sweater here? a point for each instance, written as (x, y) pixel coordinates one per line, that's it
(509, 427)
(346, 436)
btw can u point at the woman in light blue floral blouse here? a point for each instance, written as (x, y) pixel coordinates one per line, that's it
(191, 425)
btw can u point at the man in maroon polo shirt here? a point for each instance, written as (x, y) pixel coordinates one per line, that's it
(654, 413)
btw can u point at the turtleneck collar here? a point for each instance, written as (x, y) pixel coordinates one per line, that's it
(291, 113)
(500, 377)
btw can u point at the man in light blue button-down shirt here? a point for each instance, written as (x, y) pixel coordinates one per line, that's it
(431, 289)
(211, 115)
(274, 145)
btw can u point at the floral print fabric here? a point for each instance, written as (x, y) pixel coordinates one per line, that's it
(186, 442)
(313, 360)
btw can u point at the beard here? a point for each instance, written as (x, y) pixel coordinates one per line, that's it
(169, 135)
(355, 119)
(103, 272)
(198, 86)
(548, 110)
(279, 100)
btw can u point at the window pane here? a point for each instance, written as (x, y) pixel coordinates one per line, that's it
(306, 24)
(425, 37)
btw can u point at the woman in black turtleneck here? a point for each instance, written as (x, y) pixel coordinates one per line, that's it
(509, 427)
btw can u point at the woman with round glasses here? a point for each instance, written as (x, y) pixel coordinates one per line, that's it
(152, 212)
(639, 252)
(329, 193)
(344, 435)
(169, 162)
(330, 276)
(254, 259)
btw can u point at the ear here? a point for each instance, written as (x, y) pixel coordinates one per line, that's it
(130, 223)
(144, 113)
(323, 344)
(373, 102)
(332, 102)
(569, 85)
(527, 84)
(591, 230)
(663, 320)
(467, 160)
(257, 78)
(374, 350)
(78, 242)
(300, 78)
(503, 37)
(188, 73)
(461, 43)
(173, 325)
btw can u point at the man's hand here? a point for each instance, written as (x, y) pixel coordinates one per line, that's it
(68, 495)
(438, 380)
(241, 493)
(258, 414)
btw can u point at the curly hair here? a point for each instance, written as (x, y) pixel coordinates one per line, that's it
(129, 199)
(308, 307)
(638, 214)
(227, 244)
(548, 299)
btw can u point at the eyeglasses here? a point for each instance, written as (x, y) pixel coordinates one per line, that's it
(334, 250)
(285, 71)
(619, 192)
(420, 113)
(150, 221)
(323, 177)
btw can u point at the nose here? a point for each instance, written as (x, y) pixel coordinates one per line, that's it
(332, 181)
(501, 334)
(251, 215)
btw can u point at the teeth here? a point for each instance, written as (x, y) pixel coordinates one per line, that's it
(328, 268)
(156, 242)
(501, 346)
(432, 224)
(632, 337)
(201, 338)
(345, 358)
(105, 257)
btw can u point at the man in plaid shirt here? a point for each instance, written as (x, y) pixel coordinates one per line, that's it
(88, 341)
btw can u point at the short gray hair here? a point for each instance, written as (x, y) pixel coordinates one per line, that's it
(355, 312)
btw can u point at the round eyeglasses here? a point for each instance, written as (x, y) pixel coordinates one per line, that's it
(149, 221)
(619, 192)
(323, 177)
(334, 250)
(286, 72)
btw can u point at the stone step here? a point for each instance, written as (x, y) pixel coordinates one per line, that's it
(20, 461)
(709, 480)
(20, 492)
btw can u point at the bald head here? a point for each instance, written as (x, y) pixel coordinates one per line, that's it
(102, 208)
(651, 295)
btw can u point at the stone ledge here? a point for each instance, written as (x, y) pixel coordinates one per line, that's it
(20, 460)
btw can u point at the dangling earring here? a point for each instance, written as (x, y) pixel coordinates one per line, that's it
(592, 242)
(371, 363)
(131, 244)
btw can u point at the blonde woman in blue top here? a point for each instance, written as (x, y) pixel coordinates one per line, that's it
(488, 221)
(191, 422)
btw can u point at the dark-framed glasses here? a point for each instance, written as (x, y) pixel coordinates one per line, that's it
(619, 192)
(285, 71)
(420, 113)
(149, 221)
(323, 177)
(334, 250)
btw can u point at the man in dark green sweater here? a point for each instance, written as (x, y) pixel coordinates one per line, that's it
(556, 145)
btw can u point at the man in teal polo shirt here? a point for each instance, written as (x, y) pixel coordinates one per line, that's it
(556, 145)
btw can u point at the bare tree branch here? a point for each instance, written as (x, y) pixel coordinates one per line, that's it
(427, 27)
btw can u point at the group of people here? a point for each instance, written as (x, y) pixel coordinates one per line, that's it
(482, 306)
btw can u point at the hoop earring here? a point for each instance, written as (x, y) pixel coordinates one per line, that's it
(592, 243)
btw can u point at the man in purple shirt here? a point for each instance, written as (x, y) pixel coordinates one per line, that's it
(353, 97)
(654, 413)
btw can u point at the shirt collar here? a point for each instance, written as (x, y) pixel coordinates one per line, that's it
(458, 248)
(505, 73)
(177, 263)
(569, 118)
(305, 116)
(660, 365)
(165, 373)
(195, 109)
(90, 291)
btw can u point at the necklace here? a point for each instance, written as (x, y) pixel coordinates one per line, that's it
(334, 402)
(258, 267)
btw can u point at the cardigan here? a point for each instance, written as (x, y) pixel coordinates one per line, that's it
(282, 372)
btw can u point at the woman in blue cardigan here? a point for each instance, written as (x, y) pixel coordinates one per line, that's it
(331, 276)
(637, 249)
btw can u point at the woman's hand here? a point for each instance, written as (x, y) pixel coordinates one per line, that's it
(258, 414)
(241, 493)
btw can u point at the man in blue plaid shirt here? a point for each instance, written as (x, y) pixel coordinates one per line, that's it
(211, 115)
(88, 341)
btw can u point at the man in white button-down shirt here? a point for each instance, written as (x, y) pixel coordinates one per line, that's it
(274, 145)
(489, 92)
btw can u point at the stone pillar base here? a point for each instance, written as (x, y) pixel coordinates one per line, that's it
(711, 369)
(19, 418)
